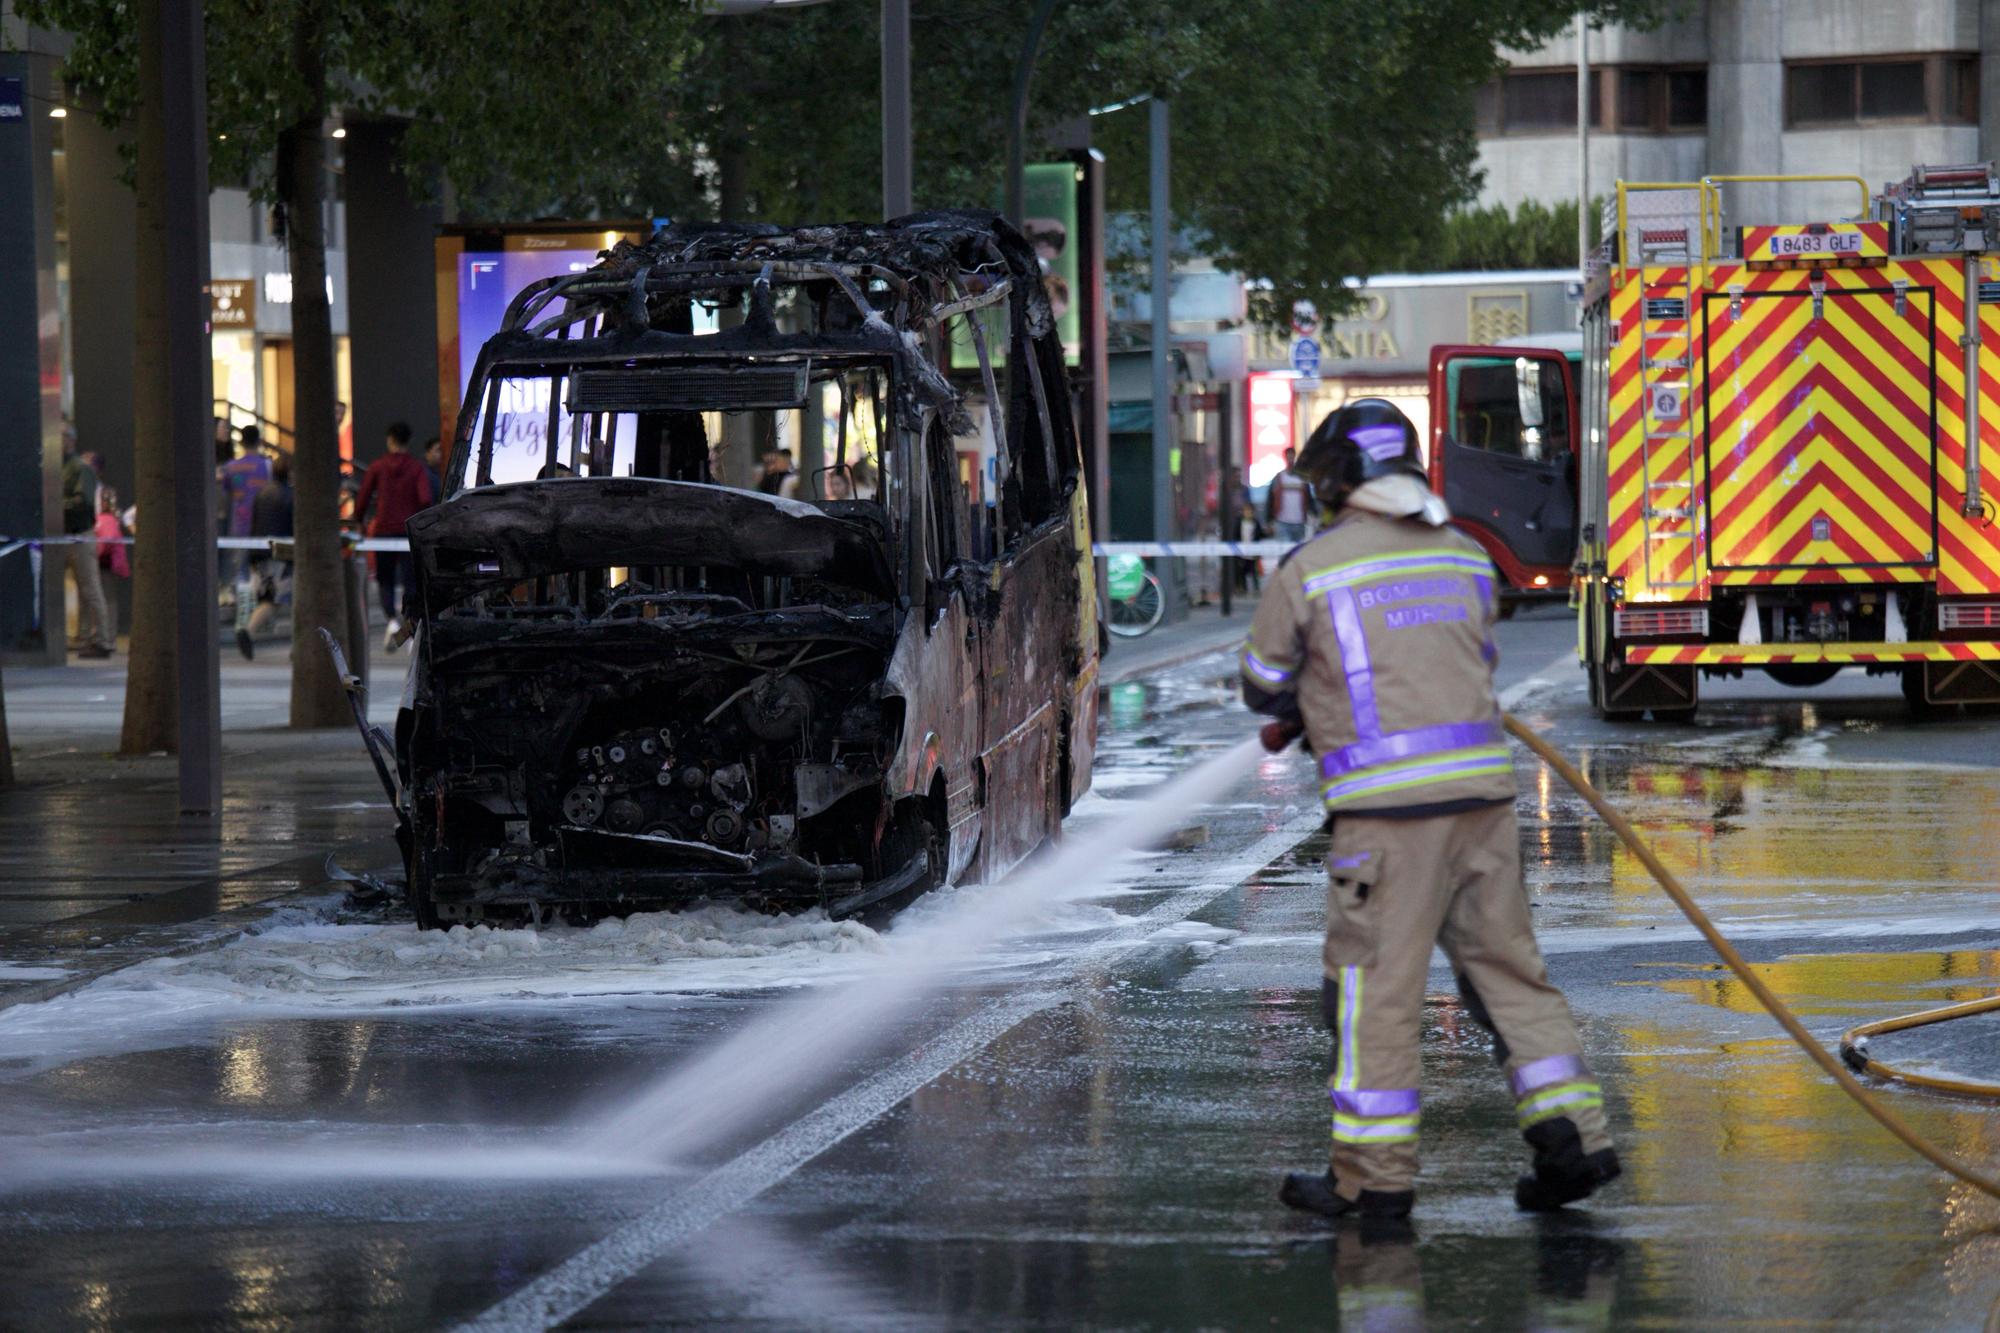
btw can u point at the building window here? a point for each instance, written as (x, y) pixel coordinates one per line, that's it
(1625, 99)
(1961, 89)
(1906, 89)
(1638, 98)
(1687, 99)
(1541, 101)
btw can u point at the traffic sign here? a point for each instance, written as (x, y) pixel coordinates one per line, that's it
(1306, 384)
(1305, 357)
(1305, 318)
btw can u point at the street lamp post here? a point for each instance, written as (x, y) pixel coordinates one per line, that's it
(1017, 124)
(1163, 477)
(896, 187)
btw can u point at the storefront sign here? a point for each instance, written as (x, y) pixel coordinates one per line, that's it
(231, 304)
(13, 101)
(1271, 425)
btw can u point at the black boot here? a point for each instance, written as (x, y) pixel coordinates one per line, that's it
(1563, 1172)
(1315, 1194)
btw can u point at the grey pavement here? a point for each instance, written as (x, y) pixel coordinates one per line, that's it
(97, 867)
(1203, 630)
(342, 1122)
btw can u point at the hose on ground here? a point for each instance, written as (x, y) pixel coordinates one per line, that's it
(1826, 1060)
(1854, 1049)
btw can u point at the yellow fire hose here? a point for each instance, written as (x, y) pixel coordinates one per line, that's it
(1826, 1060)
(1854, 1042)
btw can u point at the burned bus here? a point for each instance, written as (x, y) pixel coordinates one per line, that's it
(636, 686)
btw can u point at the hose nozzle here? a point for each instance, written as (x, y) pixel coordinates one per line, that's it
(1280, 734)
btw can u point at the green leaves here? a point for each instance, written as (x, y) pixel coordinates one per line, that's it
(1312, 139)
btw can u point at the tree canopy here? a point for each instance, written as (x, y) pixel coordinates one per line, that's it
(534, 105)
(1312, 139)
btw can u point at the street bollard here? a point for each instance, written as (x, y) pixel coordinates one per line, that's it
(357, 615)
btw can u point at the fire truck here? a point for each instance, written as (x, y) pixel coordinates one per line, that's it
(1782, 467)
(1503, 454)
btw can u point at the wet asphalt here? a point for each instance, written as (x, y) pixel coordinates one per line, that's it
(1086, 1130)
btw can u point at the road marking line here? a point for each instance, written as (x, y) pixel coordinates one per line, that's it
(581, 1280)
(593, 1272)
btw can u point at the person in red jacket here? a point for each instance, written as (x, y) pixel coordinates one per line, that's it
(398, 486)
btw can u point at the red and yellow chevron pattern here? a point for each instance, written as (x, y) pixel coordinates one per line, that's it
(1827, 437)
(1817, 424)
(1764, 654)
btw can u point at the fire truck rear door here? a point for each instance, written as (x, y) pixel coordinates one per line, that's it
(1818, 417)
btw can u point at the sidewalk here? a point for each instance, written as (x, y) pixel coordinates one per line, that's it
(1204, 631)
(97, 867)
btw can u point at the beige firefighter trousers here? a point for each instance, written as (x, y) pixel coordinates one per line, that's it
(1396, 887)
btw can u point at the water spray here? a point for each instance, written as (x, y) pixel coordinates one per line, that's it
(804, 1043)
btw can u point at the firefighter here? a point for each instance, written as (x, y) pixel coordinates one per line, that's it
(1375, 640)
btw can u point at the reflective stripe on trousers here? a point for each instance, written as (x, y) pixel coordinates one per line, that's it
(1365, 1115)
(1553, 1086)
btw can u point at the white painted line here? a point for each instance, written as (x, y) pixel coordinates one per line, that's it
(587, 1276)
(579, 1281)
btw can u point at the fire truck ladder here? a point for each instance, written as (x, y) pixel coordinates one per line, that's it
(1668, 329)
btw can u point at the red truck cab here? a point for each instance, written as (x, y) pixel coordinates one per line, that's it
(1503, 453)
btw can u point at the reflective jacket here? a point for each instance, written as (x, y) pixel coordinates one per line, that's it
(1379, 633)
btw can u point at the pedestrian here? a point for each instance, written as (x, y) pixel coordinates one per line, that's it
(434, 466)
(397, 485)
(270, 516)
(112, 557)
(1249, 570)
(95, 636)
(1375, 640)
(777, 478)
(1289, 502)
(242, 477)
(865, 478)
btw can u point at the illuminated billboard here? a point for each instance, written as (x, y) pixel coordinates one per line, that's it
(480, 269)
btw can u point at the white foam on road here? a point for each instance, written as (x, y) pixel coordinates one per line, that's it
(307, 966)
(30, 972)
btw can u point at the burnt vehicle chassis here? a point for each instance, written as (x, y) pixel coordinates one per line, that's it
(636, 688)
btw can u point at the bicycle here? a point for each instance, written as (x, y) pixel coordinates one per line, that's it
(1137, 602)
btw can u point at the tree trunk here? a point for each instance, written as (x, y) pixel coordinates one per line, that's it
(151, 711)
(318, 589)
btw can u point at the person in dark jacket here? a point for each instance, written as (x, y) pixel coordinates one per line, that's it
(270, 516)
(397, 485)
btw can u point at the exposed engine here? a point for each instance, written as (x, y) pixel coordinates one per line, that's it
(643, 781)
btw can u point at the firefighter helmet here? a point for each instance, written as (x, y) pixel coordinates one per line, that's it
(1358, 442)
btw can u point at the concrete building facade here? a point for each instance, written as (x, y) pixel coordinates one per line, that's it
(1739, 87)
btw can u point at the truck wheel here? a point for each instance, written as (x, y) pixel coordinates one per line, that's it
(422, 905)
(1913, 693)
